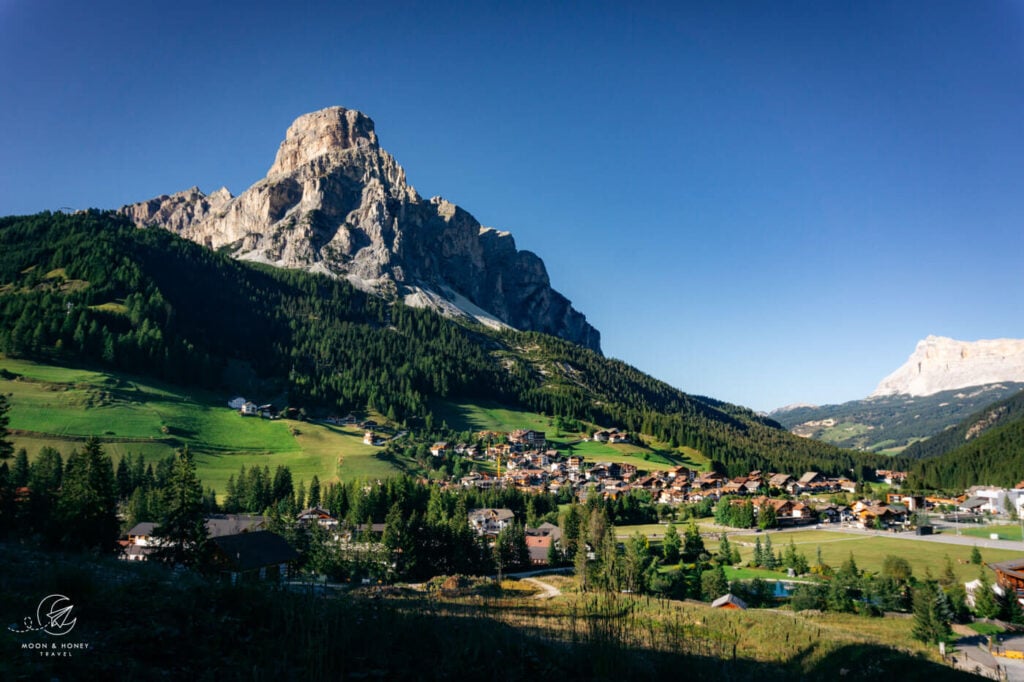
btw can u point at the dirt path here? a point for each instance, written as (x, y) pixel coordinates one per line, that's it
(549, 591)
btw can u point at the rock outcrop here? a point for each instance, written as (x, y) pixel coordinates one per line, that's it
(943, 364)
(335, 202)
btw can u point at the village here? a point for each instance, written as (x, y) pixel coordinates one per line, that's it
(524, 460)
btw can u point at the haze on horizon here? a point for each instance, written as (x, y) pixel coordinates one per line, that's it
(767, 204)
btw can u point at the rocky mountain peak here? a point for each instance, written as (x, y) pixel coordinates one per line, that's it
(941, 364)
(335, 202)
(322, 133)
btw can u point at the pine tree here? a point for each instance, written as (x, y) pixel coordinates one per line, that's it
(948, 577)
(771, 562)
(713, 583)
(976, 556)
(581, 562)
(87, 507)
(20, 470)
(985, 603)
(313, 496)
(932, 614)
(670, 546)
(182, 531)
(610, 562)
(758, 553)
(725, 550)
(636, 563)
(693, 543)
(6, 446)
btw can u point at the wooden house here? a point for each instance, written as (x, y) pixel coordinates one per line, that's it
(259, 555)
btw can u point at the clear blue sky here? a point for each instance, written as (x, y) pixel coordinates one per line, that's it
(765, 202)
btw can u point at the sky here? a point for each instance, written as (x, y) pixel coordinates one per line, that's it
(767, 203)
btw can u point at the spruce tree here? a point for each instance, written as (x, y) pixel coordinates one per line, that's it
(182, 533)
(771, 562)
(670, 546)
(313, 495)
(87, 507)
(932, 614)
(986, 605)
(6, 446)
(20, 470)
(693, 543)
(725, 550)
(713, 583)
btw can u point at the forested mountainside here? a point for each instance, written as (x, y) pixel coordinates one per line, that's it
(890, 422)
(982, 421)
(93, 288)
(987, 448)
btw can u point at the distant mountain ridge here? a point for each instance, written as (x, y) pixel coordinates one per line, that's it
(940, 364)
(335, 202)
(890, 423)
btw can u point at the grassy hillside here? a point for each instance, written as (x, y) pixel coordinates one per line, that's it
(652, 454)
(91, 288)
(60, 407)
(211, 630)
(891, 424)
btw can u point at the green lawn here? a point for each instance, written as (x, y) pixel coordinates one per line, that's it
(1004, 531)
(986, 628)
(744, 573)
(869, 551)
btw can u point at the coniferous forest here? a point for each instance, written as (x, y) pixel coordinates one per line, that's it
(92, 288)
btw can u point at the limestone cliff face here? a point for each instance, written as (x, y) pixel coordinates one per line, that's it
(335, 202)
(943, 364)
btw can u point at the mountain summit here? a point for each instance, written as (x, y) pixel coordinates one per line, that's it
(335, 202)
(942, 364)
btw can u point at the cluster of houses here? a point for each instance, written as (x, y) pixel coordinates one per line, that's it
(248, 408)
(240, 545)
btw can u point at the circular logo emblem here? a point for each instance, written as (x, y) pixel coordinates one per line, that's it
(54, 615)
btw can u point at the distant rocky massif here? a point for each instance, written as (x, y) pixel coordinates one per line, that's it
(942, 364)
(335, 202)
(942, 383)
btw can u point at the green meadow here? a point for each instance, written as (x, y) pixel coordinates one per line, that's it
(1004, 531)
(869, 551)
(493, 417)
(60, 407)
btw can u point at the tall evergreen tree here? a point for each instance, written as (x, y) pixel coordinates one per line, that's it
(670, 545)
(636, 564)
(182, 531)
(19, 472)
(6, 446)
(932, 614)
(313, 495)
(986, 605)
(693, 543)
(87, 507)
